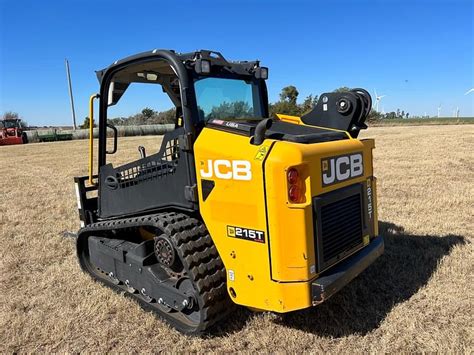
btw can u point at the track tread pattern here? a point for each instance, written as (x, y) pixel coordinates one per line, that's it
(197, 252)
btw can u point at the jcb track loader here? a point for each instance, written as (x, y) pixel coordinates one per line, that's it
(235, 208)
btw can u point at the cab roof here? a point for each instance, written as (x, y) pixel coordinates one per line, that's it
(188, 59)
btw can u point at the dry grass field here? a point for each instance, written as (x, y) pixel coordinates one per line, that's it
(417, 297)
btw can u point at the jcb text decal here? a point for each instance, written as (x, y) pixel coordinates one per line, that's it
(226, 169)
(341, 168)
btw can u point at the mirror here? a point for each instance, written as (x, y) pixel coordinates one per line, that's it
(116, 90)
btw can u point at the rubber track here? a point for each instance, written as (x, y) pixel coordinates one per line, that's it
(197, 252)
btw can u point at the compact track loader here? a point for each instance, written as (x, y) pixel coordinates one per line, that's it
(235, 208)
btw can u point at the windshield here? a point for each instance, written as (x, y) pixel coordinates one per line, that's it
(227, 99)
(11, 123)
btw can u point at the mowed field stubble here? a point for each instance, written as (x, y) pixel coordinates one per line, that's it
(417, 296)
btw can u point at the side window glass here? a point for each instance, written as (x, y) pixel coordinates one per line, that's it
(143, 109)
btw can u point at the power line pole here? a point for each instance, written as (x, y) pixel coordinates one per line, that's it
(68, 72)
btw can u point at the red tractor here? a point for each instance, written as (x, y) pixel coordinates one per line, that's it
(11, 132)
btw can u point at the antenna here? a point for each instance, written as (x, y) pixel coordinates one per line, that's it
(439, 109)
(73, 112)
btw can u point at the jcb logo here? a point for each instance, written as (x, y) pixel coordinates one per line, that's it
(340, 168)
(227, 169)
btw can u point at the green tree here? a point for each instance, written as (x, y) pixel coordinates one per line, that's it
(168, 116)
(308, 103)
(391, 115)
(374, 116)
(289, 94)
(285, 108)
(342, 89)
(287, 104)
(87, 123)
(148, 112)
(10, 115)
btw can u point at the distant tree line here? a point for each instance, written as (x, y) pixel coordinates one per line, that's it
(146, 116)
(287, 104)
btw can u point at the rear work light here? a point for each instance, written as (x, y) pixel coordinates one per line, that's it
(202, 66)
(295, 186)
(261, 73)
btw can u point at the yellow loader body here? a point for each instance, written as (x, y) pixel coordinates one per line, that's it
(267, 242)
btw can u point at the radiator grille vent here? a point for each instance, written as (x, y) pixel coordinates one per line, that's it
(341, 228)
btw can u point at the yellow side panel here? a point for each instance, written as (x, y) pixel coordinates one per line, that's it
(236, 203)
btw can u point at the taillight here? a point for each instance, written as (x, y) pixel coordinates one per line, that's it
(294, 193)
(295, 186)
(292, 176)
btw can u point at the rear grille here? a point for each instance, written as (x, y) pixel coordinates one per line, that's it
(339, 228)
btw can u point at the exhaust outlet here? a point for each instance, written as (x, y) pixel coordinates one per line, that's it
(260, 130)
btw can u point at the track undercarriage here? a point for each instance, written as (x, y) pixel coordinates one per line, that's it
(166, 261)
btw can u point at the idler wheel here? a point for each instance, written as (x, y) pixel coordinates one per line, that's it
(164, 251)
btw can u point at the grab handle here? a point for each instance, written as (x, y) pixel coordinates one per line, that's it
(114, 129)
(91, 137)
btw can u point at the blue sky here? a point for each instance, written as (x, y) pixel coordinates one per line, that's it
(417, 52)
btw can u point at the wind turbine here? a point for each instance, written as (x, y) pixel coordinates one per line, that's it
(377, 100)
(439, 109)
(469, 91)
(456, 112)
